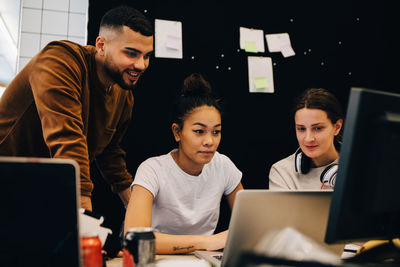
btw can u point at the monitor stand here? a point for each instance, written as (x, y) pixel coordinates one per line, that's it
(387, 252)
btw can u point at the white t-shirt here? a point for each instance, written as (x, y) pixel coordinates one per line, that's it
(185, 204)
(283, 175)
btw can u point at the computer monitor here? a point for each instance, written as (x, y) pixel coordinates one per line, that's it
(365, 203)
(39, 212)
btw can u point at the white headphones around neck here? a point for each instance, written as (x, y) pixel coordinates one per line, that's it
(302, 164)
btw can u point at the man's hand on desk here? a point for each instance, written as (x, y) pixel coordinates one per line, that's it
(86, 203)
(217, 241)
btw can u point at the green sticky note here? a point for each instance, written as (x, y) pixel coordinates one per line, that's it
(250, 46)
(260, 82)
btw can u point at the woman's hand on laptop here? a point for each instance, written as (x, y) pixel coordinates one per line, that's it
(216, 241)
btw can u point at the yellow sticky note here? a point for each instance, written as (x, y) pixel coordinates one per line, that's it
(260, 82)
(250, 46)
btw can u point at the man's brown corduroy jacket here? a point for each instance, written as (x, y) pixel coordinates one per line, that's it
(56, 107)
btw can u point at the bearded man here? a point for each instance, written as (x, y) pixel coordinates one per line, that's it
(75, 102)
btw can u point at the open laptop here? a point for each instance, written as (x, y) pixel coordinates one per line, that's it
(257, 212)
(39, 212)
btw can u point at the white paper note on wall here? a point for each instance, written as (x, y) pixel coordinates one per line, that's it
(280, 42)
(261, 78)
(168, 39)
(252, 35)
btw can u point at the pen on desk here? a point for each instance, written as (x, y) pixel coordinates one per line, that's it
(352, 248)
(349, 250)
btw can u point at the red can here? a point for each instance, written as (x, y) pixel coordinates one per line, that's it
(91, 251)
(127, 259)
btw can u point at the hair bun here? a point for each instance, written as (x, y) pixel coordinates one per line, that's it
(196, 85)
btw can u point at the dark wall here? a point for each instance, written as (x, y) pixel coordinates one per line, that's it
(338, 44)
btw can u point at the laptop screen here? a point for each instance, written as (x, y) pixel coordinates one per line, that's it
(39, 215)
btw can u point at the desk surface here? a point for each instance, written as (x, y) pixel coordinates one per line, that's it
(162, 260)
(117, 262)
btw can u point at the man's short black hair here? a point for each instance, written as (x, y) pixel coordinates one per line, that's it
(127, 16)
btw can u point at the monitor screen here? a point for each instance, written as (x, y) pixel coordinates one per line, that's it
(39, 213)
(365, 203)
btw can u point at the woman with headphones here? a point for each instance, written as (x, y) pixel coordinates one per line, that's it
(318, 120)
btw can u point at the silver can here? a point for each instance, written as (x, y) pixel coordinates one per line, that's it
(140, 243)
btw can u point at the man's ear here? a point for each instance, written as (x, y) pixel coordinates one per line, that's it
(100, 42)
(176, 132)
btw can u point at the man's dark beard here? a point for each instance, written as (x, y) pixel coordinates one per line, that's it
(116, 76)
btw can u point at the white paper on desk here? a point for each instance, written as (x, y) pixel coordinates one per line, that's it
(168, 39)
(252, 35)
(260, 67)
(182, 262)
(91, 225)
(280, 42)
(288, 243)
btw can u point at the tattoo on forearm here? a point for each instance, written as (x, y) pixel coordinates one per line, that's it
(179, 248)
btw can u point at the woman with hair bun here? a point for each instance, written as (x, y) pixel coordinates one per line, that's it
(179, 193)
(318, 121)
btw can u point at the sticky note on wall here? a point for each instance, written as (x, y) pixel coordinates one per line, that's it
(250, 46)
(174, 42)
(260, 82)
